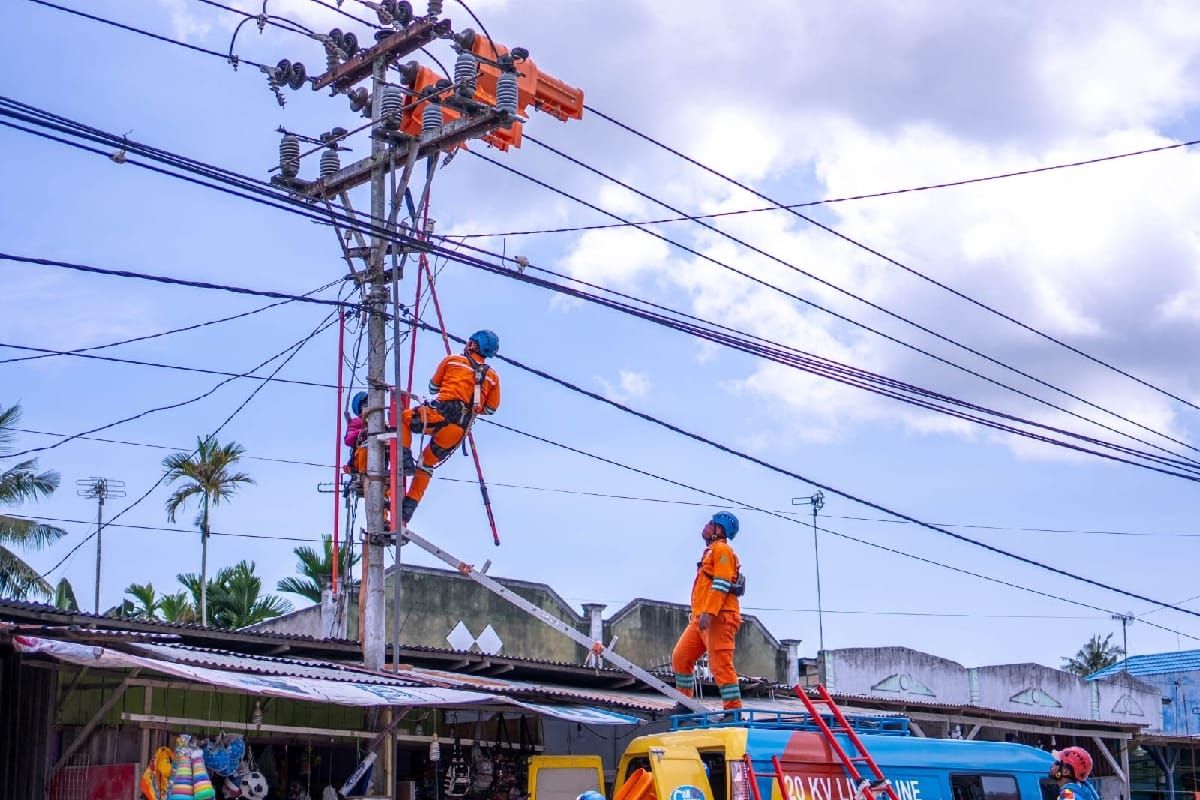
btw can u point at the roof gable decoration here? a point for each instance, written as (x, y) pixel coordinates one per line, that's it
(903, 683)
(488, 641)
(1035, 696)
(1127, 705)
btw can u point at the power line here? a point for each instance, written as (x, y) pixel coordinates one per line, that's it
(121, 273)
(896, 263)
(295, 348)
(197, 326)
(131, 526)
(1042, 401)
(45, 351)
(824, 282)
(664, 500)
(836, 200)
(794, 521)
(158, 36)
(833, 490)
(290, 204)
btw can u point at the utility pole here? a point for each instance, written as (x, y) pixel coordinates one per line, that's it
(817, 501)
(1125, 619)
(413, 114)
(99, 489)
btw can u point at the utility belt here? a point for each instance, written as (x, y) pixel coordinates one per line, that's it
(737, 586)
(454, 412)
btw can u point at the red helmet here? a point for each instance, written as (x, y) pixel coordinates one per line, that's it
(1078, 759)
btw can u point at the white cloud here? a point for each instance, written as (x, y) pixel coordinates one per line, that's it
(634, 384)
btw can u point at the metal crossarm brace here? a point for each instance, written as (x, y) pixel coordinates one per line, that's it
(397, 45)
(450, 134)
(554, 622)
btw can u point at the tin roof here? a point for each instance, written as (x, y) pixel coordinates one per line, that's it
(1153, 664)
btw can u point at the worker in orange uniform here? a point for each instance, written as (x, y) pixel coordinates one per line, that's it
(465, 387)
(716, 614)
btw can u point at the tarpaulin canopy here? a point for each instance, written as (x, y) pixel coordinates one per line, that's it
(372, 691)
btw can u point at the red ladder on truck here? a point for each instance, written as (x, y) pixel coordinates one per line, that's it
(867, 789)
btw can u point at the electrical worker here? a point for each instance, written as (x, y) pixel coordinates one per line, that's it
(1072, 766)
(356, 440)
(716, 614)
(465, 387)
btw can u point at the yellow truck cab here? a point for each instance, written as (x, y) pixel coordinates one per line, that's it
(748, 754)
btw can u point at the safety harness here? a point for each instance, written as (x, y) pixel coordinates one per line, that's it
(456, 412)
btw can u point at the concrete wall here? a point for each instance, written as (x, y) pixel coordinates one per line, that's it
(646, 632)
(896, 673)
(434, 601)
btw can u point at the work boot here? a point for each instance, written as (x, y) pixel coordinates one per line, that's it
(408, 466)
(407, 509)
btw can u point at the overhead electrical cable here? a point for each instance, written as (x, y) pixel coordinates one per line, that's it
(291, 204)
(835, 200)
(147, 337)
(131, 526)
(294, 349)
(668, 500)
(894, 262)
(824, 282)
(829, 489)
(1039, 400)
(805, 524)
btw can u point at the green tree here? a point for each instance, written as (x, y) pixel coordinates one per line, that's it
(235, 597)
(64, 596)
(207, 475)
(145, 601)
(177, 608)
(314, 568)
(1095, 655)
(21, 483)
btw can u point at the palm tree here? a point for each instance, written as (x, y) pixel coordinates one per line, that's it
(177, 608)
(314, 569)
(235, 597)
(146, 602)
(20, 484)
(242, 601)
(64, 596)
(1094, 656)
(207, 475)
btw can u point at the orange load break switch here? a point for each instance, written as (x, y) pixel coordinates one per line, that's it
(534, 87)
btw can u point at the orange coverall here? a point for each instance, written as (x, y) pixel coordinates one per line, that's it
(454, 381)
(710, 595)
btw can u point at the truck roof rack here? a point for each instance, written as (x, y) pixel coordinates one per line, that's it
(787, 720)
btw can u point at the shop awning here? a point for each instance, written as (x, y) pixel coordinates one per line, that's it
(370, 690)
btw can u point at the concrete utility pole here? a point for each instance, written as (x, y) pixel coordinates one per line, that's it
(99, 489)
(377, 467)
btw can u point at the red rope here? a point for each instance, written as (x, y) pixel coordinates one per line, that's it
(337, 448)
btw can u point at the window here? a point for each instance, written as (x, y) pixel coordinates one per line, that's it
(984, 787)
(718, 779)
(636, 763)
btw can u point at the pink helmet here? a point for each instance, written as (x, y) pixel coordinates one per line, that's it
(1078, 759)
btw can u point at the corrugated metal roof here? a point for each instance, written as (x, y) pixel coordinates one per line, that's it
(1153, 664)
(265, 665)
(848, 701)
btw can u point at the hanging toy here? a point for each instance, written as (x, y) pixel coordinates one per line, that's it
(202, 788)
(181, 774)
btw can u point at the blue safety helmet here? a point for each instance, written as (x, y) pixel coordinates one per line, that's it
(728, 523)
(487, 342)
(357, 403)
(590, 794)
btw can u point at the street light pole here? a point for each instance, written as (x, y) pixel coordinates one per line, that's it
(817, 501)
(1125, 619)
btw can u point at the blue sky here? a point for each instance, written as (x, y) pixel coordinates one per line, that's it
(857, 98)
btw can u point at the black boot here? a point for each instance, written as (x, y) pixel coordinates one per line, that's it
(407, 466)
(407, 509)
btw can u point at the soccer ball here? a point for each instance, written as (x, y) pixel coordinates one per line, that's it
(253, 786)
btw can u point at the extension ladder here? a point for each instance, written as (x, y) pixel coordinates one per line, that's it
(867, 789)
